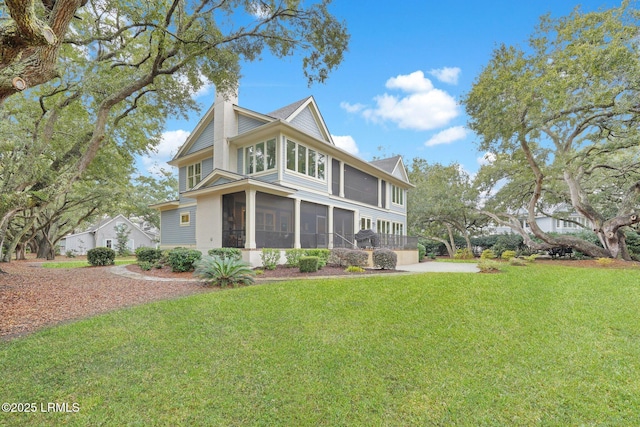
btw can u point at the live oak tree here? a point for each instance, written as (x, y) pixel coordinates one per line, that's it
(124, 67)
(30, 40)
(562, 120)
(442, 205)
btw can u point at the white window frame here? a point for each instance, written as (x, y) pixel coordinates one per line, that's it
(366, 223)
(249, 157)
(397, 195)
(184, 223)
(318, 155)
(397, 228)
(194, 176)
(383, 226)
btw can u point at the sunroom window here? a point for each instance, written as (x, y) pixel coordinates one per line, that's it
(260, 157)
(305, 160)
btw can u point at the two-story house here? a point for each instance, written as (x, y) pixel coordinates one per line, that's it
(251, 180)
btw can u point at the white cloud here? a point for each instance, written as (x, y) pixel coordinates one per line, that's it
(414, 82)
(447, 74)
(447, 136)
(486, 159)
(422, 108)
(352, 108)
(347, 143)
(170, 143)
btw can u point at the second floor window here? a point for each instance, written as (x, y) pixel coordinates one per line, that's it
(397, 195)
(305, 160)
(194, 175)
(260, 157)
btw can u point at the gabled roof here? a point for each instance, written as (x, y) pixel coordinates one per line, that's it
(285, 112)
(105, 221)
(392, 165)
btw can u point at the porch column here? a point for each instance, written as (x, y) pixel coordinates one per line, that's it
(251, 219)
(379, 193)
(341, 179)
(296, 223)
(330, 227)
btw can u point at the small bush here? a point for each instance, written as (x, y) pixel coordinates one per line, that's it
(604, 261)
(270, 258)
(152, 255)
(463, 254)
(431, 255)
(322, 254)
(507, 255)
(223, 271)
(182, 259)
(70, 253)
(308, 264)
(489, 266)
(530, 258)
(293, 257)
(145, 265)
(224, 253)
(101, 256)
(338, 256)
(385, 259)
(354, 269)
(422, 251)
(487, 254)
(517, 262)
(357, 257)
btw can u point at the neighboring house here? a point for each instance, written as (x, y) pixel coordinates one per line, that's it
(251, 180)
(104, 234)
(563, 220)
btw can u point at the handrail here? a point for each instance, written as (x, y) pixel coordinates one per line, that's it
(343, 238)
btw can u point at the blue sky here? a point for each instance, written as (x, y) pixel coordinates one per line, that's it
(399, 87)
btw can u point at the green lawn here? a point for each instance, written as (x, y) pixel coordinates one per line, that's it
(530, 346)
(84, 263)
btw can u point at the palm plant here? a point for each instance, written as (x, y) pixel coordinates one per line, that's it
(223, 271)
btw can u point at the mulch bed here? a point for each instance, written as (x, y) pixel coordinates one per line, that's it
(281, 272)
(32, 297)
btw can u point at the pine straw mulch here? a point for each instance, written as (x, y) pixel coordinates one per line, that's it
(32, 297)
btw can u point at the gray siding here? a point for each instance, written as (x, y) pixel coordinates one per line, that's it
(204, 140)
(245, 124)
(240, 169)
(299, 181)
(172, 234)
(305, 122)
(207, 168)
(272, 177)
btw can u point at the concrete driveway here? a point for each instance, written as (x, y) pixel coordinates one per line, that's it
(440, 267)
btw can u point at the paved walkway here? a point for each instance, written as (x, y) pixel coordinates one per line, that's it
(440, 267)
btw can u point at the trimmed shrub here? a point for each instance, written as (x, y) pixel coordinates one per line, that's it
(223, 271)
(224, 253)
(322, 254)
(145, 254)
(145, 265)
(270, 258)
(308, 264)
(489, 266)
(357, 257)
(354, 269)
(431, 255)
(507, 255)
(530, 258)
(463, 254)
(338, 256)
(385, 259)
(182, 259)
(422, 251)
(293, 257)
(70, 254)
(487, 254)
(101, 256)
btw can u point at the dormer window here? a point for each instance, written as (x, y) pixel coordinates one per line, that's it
(194, 175)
